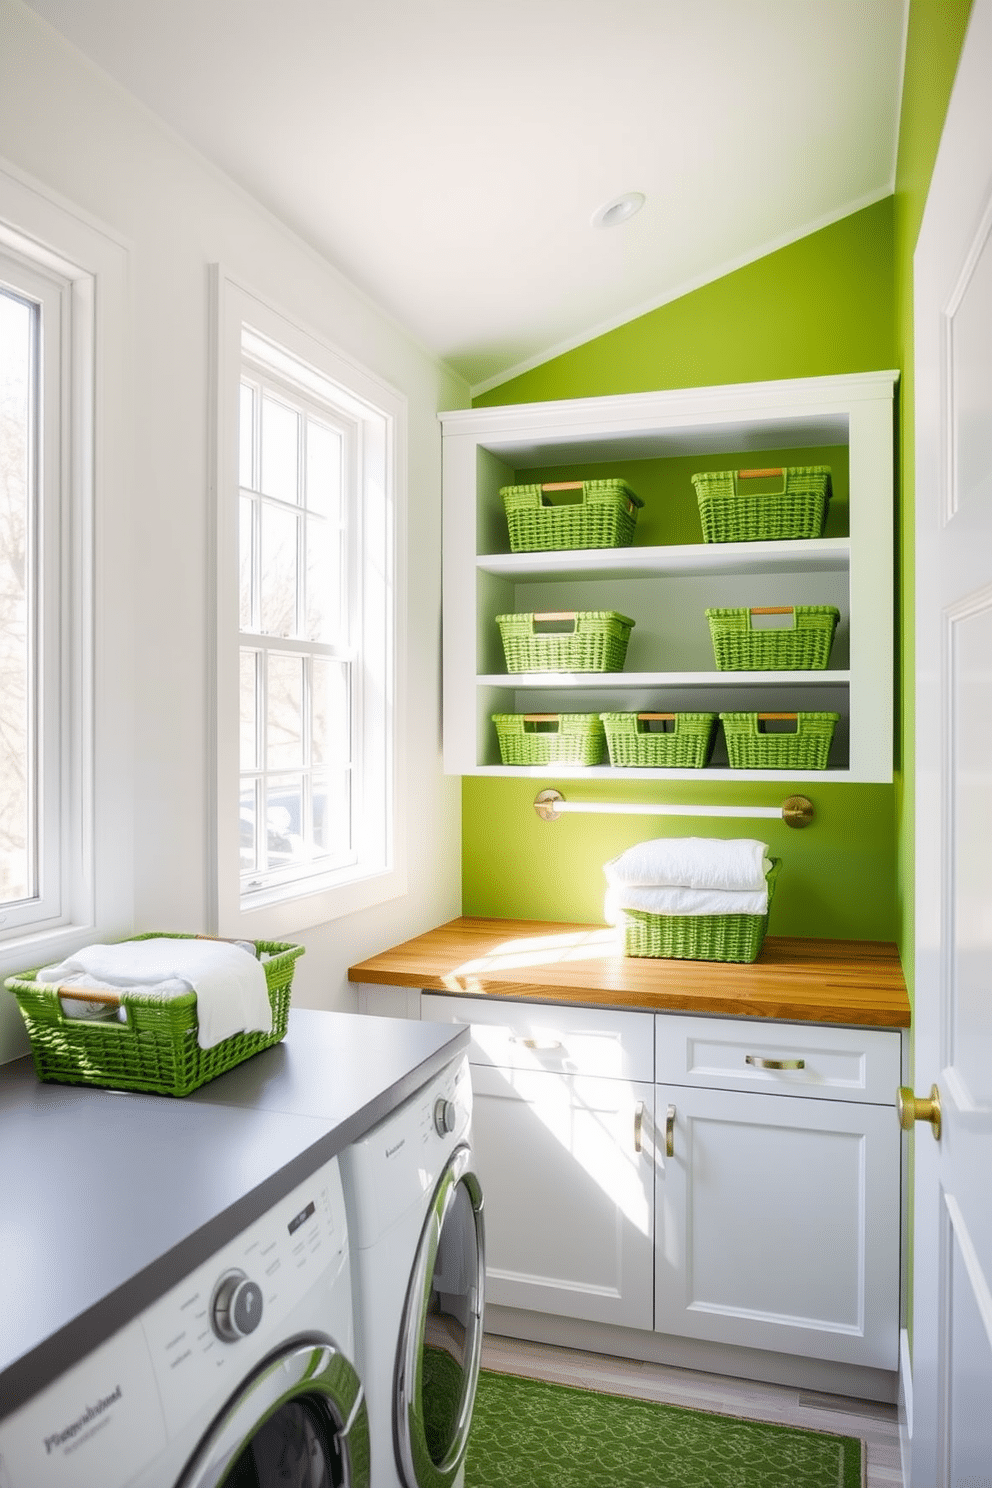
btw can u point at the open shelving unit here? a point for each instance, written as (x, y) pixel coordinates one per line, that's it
(666, 586)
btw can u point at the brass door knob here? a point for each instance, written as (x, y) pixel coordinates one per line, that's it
(910, 1108)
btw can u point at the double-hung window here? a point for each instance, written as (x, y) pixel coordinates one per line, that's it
(310, 524)
(66, 653)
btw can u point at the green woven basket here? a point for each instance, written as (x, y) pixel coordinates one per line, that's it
(584, 641)
(154, 1049)
(602, 515)
(729, 937)
(550, 738)
(685, 745)
(794, 506)
(751, 747)
(802, 644)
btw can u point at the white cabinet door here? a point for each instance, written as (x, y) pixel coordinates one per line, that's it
(566, 1174)
(778, 1224)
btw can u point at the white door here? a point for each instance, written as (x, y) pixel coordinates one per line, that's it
(952, 1304)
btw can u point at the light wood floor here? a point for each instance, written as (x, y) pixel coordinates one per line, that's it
(877, 1424)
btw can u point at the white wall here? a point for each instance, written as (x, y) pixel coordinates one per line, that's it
(80, 136)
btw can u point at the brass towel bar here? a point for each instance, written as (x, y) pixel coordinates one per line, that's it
(797, 811)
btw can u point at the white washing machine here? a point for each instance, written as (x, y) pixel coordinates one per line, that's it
(415, 1222)
(241, 1375)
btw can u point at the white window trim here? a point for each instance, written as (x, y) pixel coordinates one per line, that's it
(96, 808)
(272, 915)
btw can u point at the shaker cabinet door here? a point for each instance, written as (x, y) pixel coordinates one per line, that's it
(566, 1172)
(778, 1223)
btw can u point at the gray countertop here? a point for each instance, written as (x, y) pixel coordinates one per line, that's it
(108, 1199)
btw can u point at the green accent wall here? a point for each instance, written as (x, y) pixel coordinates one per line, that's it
(821, 305)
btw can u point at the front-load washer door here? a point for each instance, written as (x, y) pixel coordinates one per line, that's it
(440, 1345)
(300, 1418)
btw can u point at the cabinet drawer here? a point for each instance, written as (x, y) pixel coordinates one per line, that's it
(530, 1035)
(854, 1064)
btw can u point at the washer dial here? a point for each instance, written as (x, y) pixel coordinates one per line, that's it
(235, 1307)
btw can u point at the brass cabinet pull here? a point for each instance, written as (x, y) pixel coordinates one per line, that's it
(638, 1125)
(910, 1108)
(670, 1132)
(760, 1062)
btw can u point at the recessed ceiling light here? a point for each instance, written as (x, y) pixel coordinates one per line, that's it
(620, 209)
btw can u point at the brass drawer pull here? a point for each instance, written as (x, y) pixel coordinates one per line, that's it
(670, 1132)
(760, 1062)
(552, 1047)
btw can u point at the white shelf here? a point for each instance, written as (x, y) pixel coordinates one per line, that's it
(627, 681)
(706, 776)
(823, 555)
(666, 589)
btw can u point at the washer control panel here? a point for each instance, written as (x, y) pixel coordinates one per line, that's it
(205, 1332)
(444, 1110)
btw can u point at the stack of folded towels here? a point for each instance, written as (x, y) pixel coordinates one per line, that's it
(232, 994)
(689, 876)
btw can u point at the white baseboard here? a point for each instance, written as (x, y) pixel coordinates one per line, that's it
(689, 1353)
(905, 1407)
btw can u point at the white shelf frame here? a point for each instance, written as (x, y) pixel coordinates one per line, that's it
(481, 445)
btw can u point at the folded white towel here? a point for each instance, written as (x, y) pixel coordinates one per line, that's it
(736, 864)
(231, 991)
(671, 900)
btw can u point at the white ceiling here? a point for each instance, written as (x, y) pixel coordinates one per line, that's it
(448, 155)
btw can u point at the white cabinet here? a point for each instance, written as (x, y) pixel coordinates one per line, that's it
(562, 1108)
(735, 1181)
(778, 1214)
(666, 586)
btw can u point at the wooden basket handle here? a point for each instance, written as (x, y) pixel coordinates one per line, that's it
(668, 716)
(753, 474)
(791, 716)
(773, 610)
(89, 994)
(556, 615)
(540, 717)
(562, 485)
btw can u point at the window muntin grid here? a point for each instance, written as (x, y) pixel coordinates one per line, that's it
(298, 597)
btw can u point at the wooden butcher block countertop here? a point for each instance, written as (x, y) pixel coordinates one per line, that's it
(796, 980)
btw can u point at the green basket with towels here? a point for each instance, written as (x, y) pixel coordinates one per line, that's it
(721, 937)
(151, 1044)
(800, 642)
(570, 641)
(682, 742)
(770, 504)
(560, 515)
(751, 745)
(550, 738)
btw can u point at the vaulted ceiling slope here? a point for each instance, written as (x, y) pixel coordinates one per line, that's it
(448, 155)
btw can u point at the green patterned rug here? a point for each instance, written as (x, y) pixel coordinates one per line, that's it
(530, 1434)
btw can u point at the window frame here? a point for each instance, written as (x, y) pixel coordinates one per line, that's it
(87, 811)
(247, 324)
